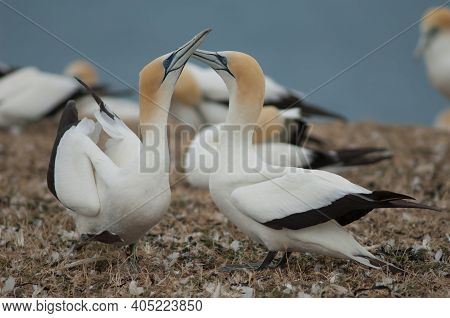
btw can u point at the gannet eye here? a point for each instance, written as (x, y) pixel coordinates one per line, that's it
(433, 31)
(168, 60)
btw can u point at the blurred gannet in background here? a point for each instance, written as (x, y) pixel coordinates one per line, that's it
(434, 46)
(202, 89)
(28, 94)
(285, 209)
(126, 109)
(443, 120)
(201, 156)
(118, 194)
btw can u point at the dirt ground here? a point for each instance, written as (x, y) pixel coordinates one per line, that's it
(181, 256)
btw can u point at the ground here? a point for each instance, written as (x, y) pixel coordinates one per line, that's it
(181, 256)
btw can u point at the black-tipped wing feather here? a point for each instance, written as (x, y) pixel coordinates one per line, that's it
(345, 210)
(348, 157)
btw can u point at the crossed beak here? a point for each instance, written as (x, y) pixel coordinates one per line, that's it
(180, 56)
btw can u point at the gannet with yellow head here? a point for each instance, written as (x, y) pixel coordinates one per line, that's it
(443, 120)
(126, 109)
(285, 209)
(83, 70)
(210, 98)
(434, 46)
(117, 195)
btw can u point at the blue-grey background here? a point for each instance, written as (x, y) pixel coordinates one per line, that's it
(299, 43)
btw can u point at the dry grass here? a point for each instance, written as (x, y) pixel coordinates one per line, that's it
(181, 256)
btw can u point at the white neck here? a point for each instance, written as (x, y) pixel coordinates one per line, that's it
(235, 140)
(438, 49)
(153, 130)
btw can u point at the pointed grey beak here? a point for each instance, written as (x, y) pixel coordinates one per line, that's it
(179, 57)
(421, 46)
(213, 59)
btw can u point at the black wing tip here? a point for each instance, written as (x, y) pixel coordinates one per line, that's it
(362, 156)
(397, 200)
(414, 205)
(310, 109)
(380, 263)
(384, 196)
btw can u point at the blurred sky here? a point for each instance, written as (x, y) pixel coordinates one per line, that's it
(301, 44)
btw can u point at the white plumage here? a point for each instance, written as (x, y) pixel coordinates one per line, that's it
(201, 157)
(29, 94)
(118, 194)
(286, 209)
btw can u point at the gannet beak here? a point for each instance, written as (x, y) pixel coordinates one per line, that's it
(178, 58)
(215, 60)
(421, 46)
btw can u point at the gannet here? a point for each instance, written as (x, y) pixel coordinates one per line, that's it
(201, 156)
(285, 209)
(28, 94)
(118, 194)
(126, 109)
(443, 120)
(434, 46)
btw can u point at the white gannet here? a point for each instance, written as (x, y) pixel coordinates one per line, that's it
(118, 194)
(434, 46)
(443, 120)
(28, 94)
(126, 109)
(285, 209)
(200, 158)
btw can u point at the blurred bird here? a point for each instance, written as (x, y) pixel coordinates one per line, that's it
(126, 109)
(443, 120)
(28, 94)
(201, 159)
(285, 209)
(434, 47)
(204, 91)
(118, 194)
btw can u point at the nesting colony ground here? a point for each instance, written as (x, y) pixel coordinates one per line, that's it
(181, 256)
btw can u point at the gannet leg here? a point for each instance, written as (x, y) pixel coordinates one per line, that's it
(132, 256)
(283, 260)
(254, 266)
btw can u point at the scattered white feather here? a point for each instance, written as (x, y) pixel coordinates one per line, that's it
(9, 284)
(438, 255)
(247, 292)
(55, 257)
(340, 290)
(134, 289)
(172, 258)
(288, 288)
(316, 289)
(37, 289)
(235, 245)
(216, 293)
(302, 294)
(68, 235)
(20, 241)
(426, 241)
